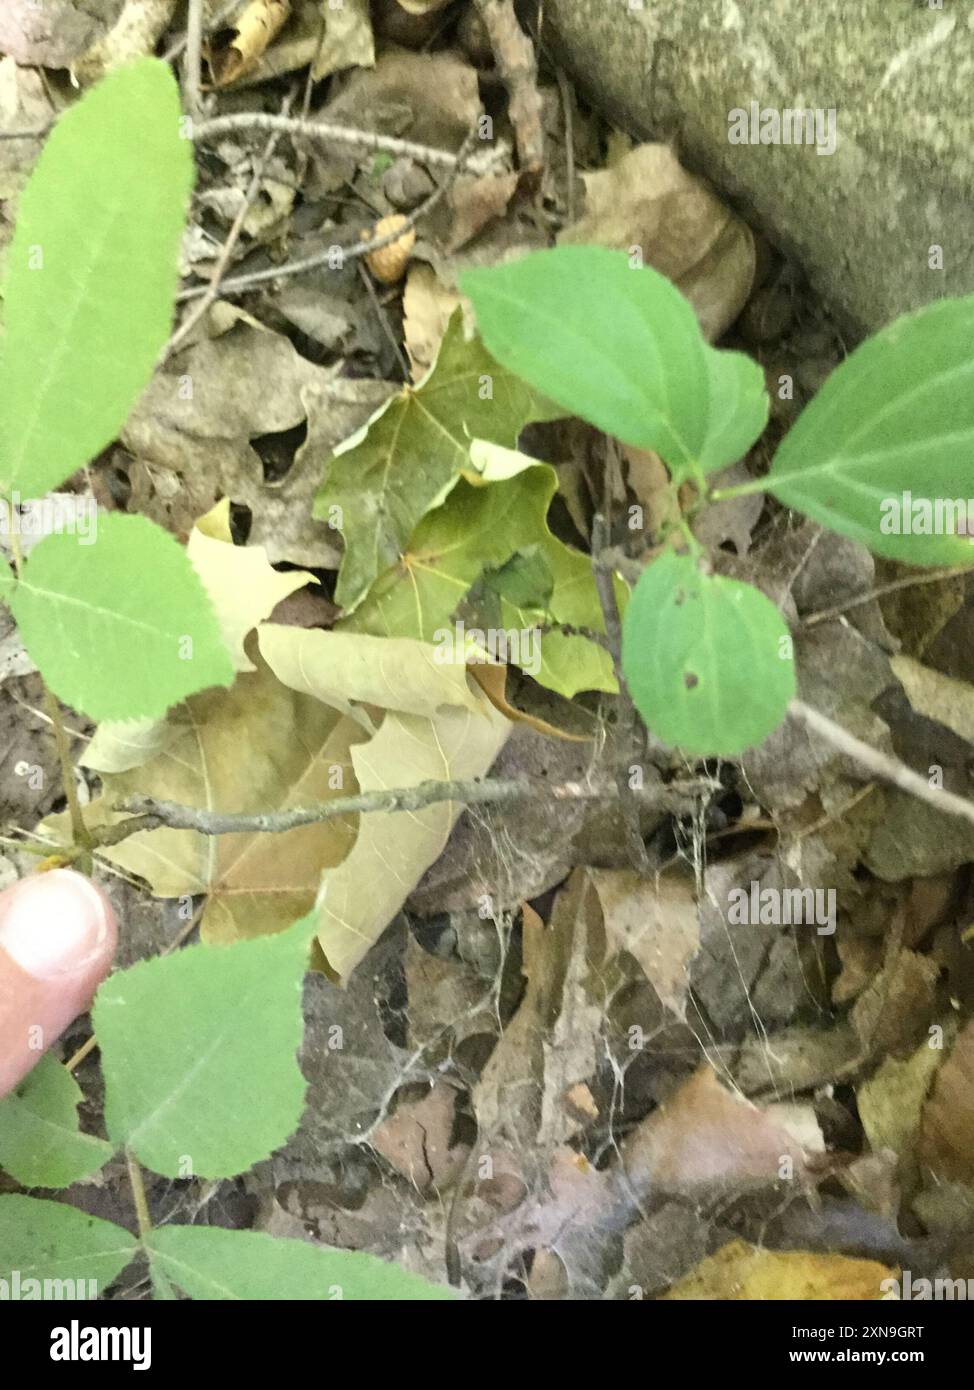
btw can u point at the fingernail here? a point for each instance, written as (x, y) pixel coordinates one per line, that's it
(54, 924)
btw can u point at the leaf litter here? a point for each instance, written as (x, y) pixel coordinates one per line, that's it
(554, 1076)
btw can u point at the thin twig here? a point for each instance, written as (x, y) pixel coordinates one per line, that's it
(629, 724)
(330, 133)
(173, 53)
(352, 252)
(153, 814)
(193, 62)
(208, 298)
(908, 582)
(880, 764)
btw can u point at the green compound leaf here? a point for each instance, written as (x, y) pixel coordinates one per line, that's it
(40, 1142)
(708, 660)
(199, 1054)
(620, 347)
(883, 453)
(386, 477)
(120, 629)
(53, 1243)
(209, 1263)
(91, 274)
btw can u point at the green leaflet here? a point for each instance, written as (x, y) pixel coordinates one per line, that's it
(48, 1241)
(40, 1142)
(120, 629)
(708, 661)
(91, 274)
(895, 418)
(497, 510)
(209, 1263)
(386, 477)
(621, 348)
(199, 1054)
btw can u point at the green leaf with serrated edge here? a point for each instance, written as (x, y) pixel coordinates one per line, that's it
(90, 275)
(387, 476)
(40, 1142)
(708, 661)
(52, 1243)
(892, 426)
(209, 1263)
(120, 629)
(188, 1041)
(620, 347)
(496, 509)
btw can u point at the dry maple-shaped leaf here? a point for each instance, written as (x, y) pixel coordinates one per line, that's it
(747, 1272)
(52, 34)
(947, 1125)
(648, 200)
(240, 581)
(256, 747)
(359, 898)
(351, 672)
(382, 481)
(236, 52)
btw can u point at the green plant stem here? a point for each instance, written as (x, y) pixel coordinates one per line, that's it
(78, 828)
(724, 494)
(138, 1195)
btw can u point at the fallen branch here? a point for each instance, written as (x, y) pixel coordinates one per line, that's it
(153, 814)
(329, 133)
(881, 764)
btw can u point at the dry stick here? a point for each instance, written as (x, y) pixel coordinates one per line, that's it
(348, 253)
(223, 260)
(330, 133)
(908, 582)
(193, 63)
(173, 53)
(152, 814)
(518, 69)
(629, 723)
(880, 764)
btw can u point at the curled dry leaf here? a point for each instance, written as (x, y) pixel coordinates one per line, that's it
(648, 202)
(252, 33)
(742, 1271)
